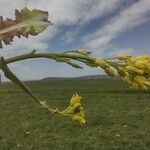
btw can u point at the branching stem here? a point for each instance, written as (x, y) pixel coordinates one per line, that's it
(47, 55)
(55, 56)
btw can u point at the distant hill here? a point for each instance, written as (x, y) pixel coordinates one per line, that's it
(78, 78)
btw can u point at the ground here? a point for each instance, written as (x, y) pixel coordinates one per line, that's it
(118, 118)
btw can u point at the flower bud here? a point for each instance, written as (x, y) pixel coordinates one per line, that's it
(143, 57)
(141, 80)
(124, 57)
(110, 72)
(84, 52)
(121, 72)
(141, 64)
(79, 119)
(75, 99)
(134, 70)
(76, 107)
(127, 79)
(102, 63)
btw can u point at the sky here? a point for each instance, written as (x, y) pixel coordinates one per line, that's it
(105, 27)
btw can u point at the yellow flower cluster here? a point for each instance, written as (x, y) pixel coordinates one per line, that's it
(74, 110)
(136, 71)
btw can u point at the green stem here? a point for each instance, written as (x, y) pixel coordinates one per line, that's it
(54, 56)
(46, 55)
(11, 76)
(8, 73)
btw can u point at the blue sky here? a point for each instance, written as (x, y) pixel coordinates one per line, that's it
(107, 28)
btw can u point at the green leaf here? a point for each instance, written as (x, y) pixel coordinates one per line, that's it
(26, 22)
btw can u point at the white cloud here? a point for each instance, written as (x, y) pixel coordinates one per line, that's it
(8, 7)
(71, 12)
(99, 8)
(87, 11)
(64, 12)
(127, 19)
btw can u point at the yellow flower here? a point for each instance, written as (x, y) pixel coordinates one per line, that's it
(110, 72)
(79, 119)
(124, 57)
(142, 81)
(134, 70)
(131, 61)
(74, 110)
(121, 72)
(76, 107)
(75, 99)
(143, 57)
(141, 64)
(102, 63)
(84, 52)
(129, 68)
(127, 79)
(130, 81)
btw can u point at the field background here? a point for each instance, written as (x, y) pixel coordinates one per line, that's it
(117, 118)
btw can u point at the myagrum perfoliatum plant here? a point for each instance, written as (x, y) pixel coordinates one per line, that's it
(135, 71)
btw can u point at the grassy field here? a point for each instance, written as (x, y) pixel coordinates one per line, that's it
(117, 118)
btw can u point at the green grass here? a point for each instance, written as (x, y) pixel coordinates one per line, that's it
(117, 118)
